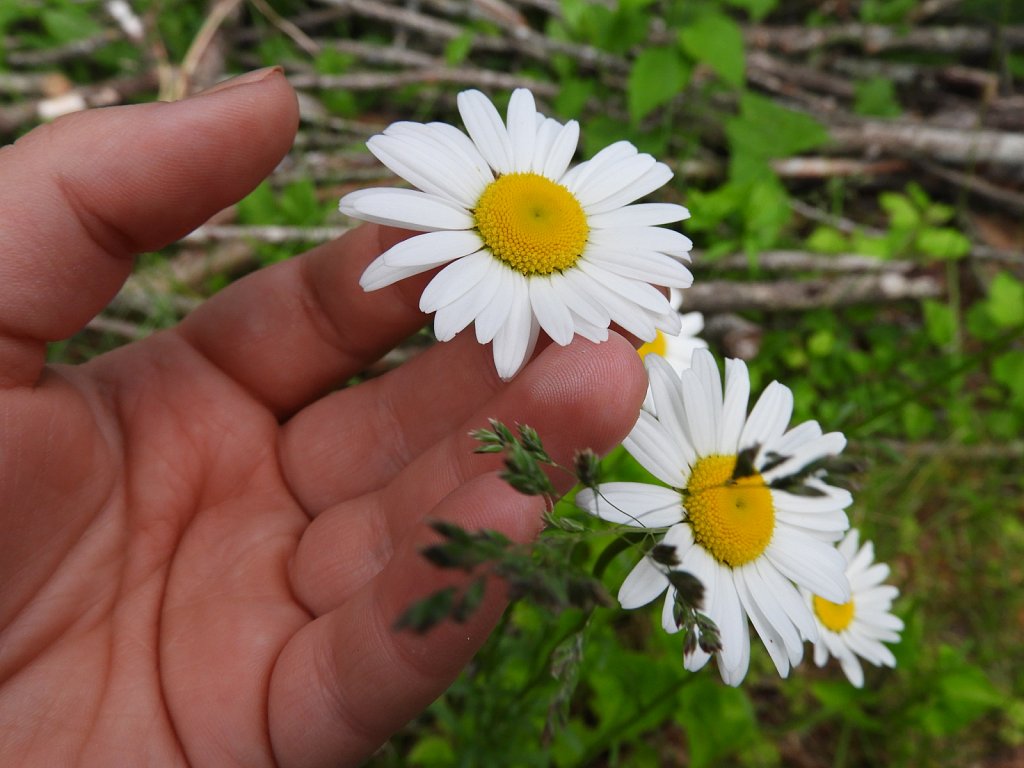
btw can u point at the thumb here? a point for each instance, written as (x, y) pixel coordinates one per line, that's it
(83, 194)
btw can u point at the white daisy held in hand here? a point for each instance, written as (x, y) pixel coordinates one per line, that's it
(529, 243)
(732, 526)
(859, 626)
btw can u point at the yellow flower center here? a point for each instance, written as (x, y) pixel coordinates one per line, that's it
(656, 347)
(835, 616)
(732, 519)
(531, 223)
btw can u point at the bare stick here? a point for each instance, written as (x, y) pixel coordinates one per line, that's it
(726, 296)
(874, 38)
(370, 81)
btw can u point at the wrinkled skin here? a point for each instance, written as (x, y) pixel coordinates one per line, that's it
(205, 547)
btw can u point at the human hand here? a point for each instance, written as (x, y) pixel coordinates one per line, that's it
(203, 553)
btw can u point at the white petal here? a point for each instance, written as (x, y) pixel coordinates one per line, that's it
(650, 266)
(632, 318)
(651, 445)
(668, 616)
(706, 370)
(644, 583)
(667, 393)
(639, 293)
(807, 505)
(578, 177)
(465, 148)
(454, 158)
(734, 404)
(852, 669)
(511, 345)
(795, 437)
(699, 563)
(485, 127)
(864, 557)
(408, 159)
(455, 280)
(769, 416)
(700, 419)
(589, 331)
(640, 215)
(613, 178)
(522, 129)
(810, 563)
(631, 239)
(789, 599)
(640, 505)
(379, 275)
(579, 302)
(432, 248)
(562, 151)
(849, 545)
(494, 315)
(764, 614)
(551, 312)
(405, 208)
(732, 625)
(456, 315)
(831, 444)
(547, 133)
(656, 177)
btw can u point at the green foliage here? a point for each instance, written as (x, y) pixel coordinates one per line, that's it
(876, 97)
(763, 131)
(716, 40)
(916, 229)
(657, 76)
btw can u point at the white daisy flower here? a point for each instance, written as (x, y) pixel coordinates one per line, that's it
(530, 244)
(732, 526)
(859, 626)
(678, 349)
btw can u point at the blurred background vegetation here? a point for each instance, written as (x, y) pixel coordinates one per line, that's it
(855, 171)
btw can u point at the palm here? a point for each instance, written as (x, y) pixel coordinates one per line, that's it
(204, 553)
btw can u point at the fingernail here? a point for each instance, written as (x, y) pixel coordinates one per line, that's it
(247, 79)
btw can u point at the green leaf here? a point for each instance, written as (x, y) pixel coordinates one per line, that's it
(1008, 370)
(827, 240)
(903, 214)
(716, 40)
(458, 48)
(764, 130)
(876, 97)
(939, 322)
(719, 722)
(657, 76)
(431, 751)
(573, 96)
(69, 23)
(943, 243)
(917, 420)
(758, 8)
(1005, 301)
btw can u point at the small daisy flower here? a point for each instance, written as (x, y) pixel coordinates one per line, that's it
(859, 626)
(529, 243)
(677, 349)
(750, 542)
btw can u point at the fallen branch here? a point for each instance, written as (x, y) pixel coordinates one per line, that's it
(790, 295)
(874, 38)
(269, 234)
(375, 81)
(945, 144)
